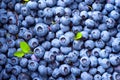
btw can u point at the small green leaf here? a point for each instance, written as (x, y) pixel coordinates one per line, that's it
(19, 54)
(78, 36)
(25, 47)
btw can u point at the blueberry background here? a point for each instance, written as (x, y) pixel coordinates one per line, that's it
(49, 27)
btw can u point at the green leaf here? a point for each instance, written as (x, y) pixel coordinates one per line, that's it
(78, 36)
(19, 54)
(25, 47)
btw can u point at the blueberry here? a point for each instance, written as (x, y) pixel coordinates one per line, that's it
(105, 36)
(32, 5)
(10, 43)
(3, 59)
(77, 45)
(56, 73)
(70, 77)
(59, 33)
(49, 70)
(41, 29)
(106, 76)
(89, 23)
(116, 45)
(116, 76)
(60, 58)
(65, 50)
(105, 63)
(24, 11)
(103, 53)
(39, 51)
(13, 29)
(93, 61)
(29, 20)
(89, 44)
(76, 29)
(95, 52)
(16, 70)
(48, 12)
(33, 42)
(46, 45)
(85, 61)
(50, 36)
(114, 60)
(49, 56)
(42, 70)
(86, 76)
(97, 77)
(54, 27)
(55, 50)
(93, 71)
(109, 7)
(97, 6)
(95, 34)
(12, 77)
(99, 43)
(75, 71)
(23, 62)
(64, 69)
(13, 60)
(100, 69)
(64, 28)
(32, 65)
(42, 4)
(24, 76)
(76, 20)
(64, 40)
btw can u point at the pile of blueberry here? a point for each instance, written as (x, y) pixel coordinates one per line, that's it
(49, 27)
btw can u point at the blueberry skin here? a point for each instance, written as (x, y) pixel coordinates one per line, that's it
(103, 54)
(23, 62)
(109, 7)
(3, 18)
(29, 20)
(106, 76)
(95, 52)
(93, 61)
(55, 43)
(3, 59)
(32, 5)
(68, 11)
(60, 58)
(60, 78)
(110, 70)
(99, 43)
(75, 71)
(12, 77)
(2, 32)
(65, 20)
(89, 2)
(55, 27)
(48, 12)
(18, 7)
(34, 74)
(93, 71)
(64, 28)
(8, 67)
(114, 14)
(83, 6)
(117, 3)
(116, 76)
(39, 51)
(89, 44)
(37, 78)
(50, 36)
(27, 35)
(115, 45)
(96, 6)
(95, 34)
(4, 75)
(25, 11)
(97, 77)
(90, 23)
(59, 33)
(13, 29)
(83, 52)
(59, 11)
(41, 29)
(11, 43)
(114, 60)
(70, 34)
(77, 45)
(70, 77)
(84, 14)
(46, 45)
(76, 20)
(22, 31)
(13, 61)
(85, 61)
(118, 27)
(97, 16)
(73, 56)
(49, 56)
(65, 50)
(3, 47)
(11, 52)
(86, 76)
(33, 42)
(110, 22)
(64, 40)
(105, 63)
(76, 29)
(42, 70)
(24, 76)
(16, 70)
(102, 27)
(56, 73)
(42, 4)
(32, 65)
(105, 36)
(64, 69)
(100, 69)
